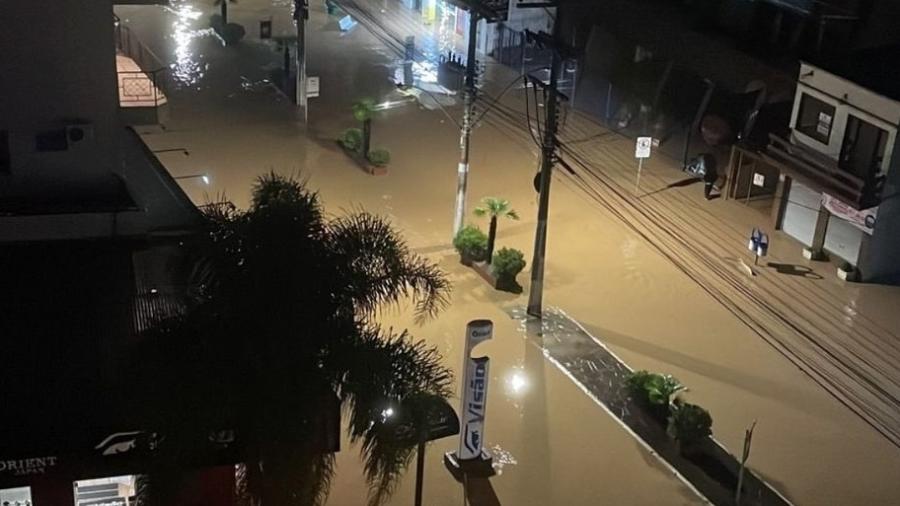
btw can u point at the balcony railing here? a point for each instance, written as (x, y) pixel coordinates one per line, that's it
(142, 76)
(821, 172)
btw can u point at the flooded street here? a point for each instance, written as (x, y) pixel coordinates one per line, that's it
(654, 277)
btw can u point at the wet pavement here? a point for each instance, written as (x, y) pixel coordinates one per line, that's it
(653, 275)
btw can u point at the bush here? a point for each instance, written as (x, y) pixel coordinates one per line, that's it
(379, 157)
(232, 33)
(351, 139)
(656, 391)
(471, 243)
(688, 423)
(507, 264)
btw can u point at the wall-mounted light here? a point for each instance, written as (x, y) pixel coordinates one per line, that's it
(202, 177)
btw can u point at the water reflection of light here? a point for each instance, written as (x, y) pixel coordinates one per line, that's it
(446, 29)
(516, 383)
(186, 70)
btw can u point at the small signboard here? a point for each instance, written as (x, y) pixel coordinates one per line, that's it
(312, 87)
(642, 147)
(346, 23)
(265, 29)
(863, 219)
(823, 126)
(759, 179)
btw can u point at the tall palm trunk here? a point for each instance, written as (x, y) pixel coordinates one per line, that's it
(367, 134)
(224, 12)
(492, 234)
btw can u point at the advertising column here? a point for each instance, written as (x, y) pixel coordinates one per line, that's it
(471, 457)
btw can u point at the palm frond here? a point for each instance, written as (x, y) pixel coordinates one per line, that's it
(377, 370)
(496, 207)
(380, 268)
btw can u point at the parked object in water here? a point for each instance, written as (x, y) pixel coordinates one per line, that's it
(704, 166)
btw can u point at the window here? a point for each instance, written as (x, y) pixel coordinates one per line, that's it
(5, 161)
(815, 118)
(863, 149)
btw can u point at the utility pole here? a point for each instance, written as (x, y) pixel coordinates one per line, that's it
(462, 171)
(301, 14)
(548, 156)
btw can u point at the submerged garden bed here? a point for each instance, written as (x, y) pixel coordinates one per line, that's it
(706, 464)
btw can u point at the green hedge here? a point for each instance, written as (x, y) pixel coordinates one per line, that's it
(471, 243)
(379, 157)
(507, 263)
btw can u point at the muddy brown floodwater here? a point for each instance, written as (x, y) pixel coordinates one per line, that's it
(655, 301)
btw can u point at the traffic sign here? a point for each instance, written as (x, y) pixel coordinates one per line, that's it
(642, 147)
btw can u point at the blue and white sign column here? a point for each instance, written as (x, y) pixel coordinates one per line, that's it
(471, 457)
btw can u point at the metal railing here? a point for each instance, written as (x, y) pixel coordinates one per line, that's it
(145, 85)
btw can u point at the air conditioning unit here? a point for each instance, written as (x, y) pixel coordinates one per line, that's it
(79, 133)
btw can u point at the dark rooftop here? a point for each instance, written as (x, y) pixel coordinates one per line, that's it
(877, 69)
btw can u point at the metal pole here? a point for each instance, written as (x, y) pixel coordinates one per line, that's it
(300, 14)
(548, 152)
(420, 472)
(637, 184)
(462, 171)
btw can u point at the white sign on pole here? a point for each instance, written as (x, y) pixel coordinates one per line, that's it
(642, 147)
(474, 398)
(312, 87)
(759, 179)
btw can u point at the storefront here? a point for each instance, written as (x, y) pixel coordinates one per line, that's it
(831, 171)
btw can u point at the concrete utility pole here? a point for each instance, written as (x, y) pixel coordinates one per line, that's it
(462, 173)
(548, 156)
(301, 14)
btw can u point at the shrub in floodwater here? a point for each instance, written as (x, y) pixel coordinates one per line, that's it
(657, 391)
(688, 424)
(506, 265)
(471, 243)
(351, 139)
(379, 157)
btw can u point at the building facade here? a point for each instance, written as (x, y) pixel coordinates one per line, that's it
(832, 178)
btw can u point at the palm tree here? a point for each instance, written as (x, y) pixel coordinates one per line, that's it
(280, 338)
(224, 6)
(363, 111)
(494, 207)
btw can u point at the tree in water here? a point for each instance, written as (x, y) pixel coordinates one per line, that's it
(279, 339)
(364, 111)
(495, 208)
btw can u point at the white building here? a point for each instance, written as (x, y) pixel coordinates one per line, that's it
(838, 165)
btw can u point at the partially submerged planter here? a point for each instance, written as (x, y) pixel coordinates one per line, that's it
(365, 164)
(705, 463)
(847, 273)
(503, 284)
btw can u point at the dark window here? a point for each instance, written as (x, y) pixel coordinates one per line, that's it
(863, 148)
(5, 161)
(815, 118)
(53, 140)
